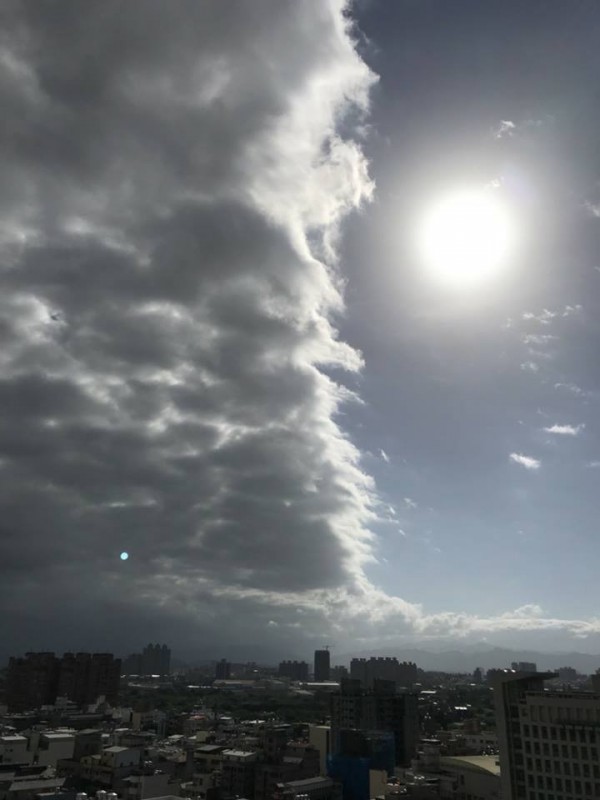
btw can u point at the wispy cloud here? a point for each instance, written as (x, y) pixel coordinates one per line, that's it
(525, 461)
(569, 387)
(409, 503)
(530, 366)
(384, 456)
(565, 430)
(505, 128)
(539, 339)
(593, 209)
(545, 316)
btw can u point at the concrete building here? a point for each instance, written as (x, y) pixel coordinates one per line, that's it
(13, 750)
(310, 788)
(294, 670)
(40, 678)
(32, 681)
(322, 671)
(27, 783)
(369, 670)
(223, 670)
(238, 773)
(50, 746)
(470, 778)
(381, 709)
(155, 659)
(549, 740)
(319, 737)
(142, 786)
(524, 666)
(338, 672)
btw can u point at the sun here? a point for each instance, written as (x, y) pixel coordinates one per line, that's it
(466, 237)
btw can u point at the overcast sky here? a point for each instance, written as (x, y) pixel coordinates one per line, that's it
(222, 355)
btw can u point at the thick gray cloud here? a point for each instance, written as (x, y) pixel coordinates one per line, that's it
(173, 177)
(173, 181)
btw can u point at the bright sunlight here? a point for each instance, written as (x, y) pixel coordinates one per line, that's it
(466, 237)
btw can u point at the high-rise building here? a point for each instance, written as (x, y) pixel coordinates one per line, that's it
(322, 665)
(39, 678)
(369, 670)
(223, 670)
(338, 672)
(32, 681)
(294, 670)
(156, 660)
(84, 677)
(549, 741)
(379, 709)
(524, 666)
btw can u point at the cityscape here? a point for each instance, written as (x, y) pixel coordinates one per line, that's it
(85, 726)
(299, 399)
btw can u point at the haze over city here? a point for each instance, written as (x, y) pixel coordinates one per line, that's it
(299, 324)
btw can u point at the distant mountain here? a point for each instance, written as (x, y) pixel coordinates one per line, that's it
(467, 659)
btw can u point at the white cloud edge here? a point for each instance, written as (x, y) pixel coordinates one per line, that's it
(528, 462)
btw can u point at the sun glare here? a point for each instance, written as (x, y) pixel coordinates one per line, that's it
(466, 237)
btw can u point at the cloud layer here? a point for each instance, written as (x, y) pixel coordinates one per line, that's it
(173, 181)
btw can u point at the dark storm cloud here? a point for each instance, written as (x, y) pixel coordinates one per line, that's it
(173, 175)
(164, 319)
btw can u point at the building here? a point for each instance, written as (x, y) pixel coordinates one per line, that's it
(223, 670)
(470, 778)
(549, 740)
(155, 659)
(322, 669)
(524, 666)
(338, 672)
(360, 757)
(319, 737)
(84, 677)
(14, 749)
(309, 789)
(567, 674)
(39, 679)
(238, 772)
(32, 681)
(294, 670)
(379, 709)
(27, 782)
(51, 746)
(369, 670)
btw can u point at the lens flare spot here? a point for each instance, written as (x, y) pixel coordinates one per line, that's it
(124, 555)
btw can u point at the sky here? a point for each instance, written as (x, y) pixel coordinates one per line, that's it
(240, 412)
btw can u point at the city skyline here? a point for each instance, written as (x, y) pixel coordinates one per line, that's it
(256, 391)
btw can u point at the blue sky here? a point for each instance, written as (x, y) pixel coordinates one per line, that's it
(456, 382)
(225, 355)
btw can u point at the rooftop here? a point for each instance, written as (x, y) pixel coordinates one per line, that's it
(487, 764)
